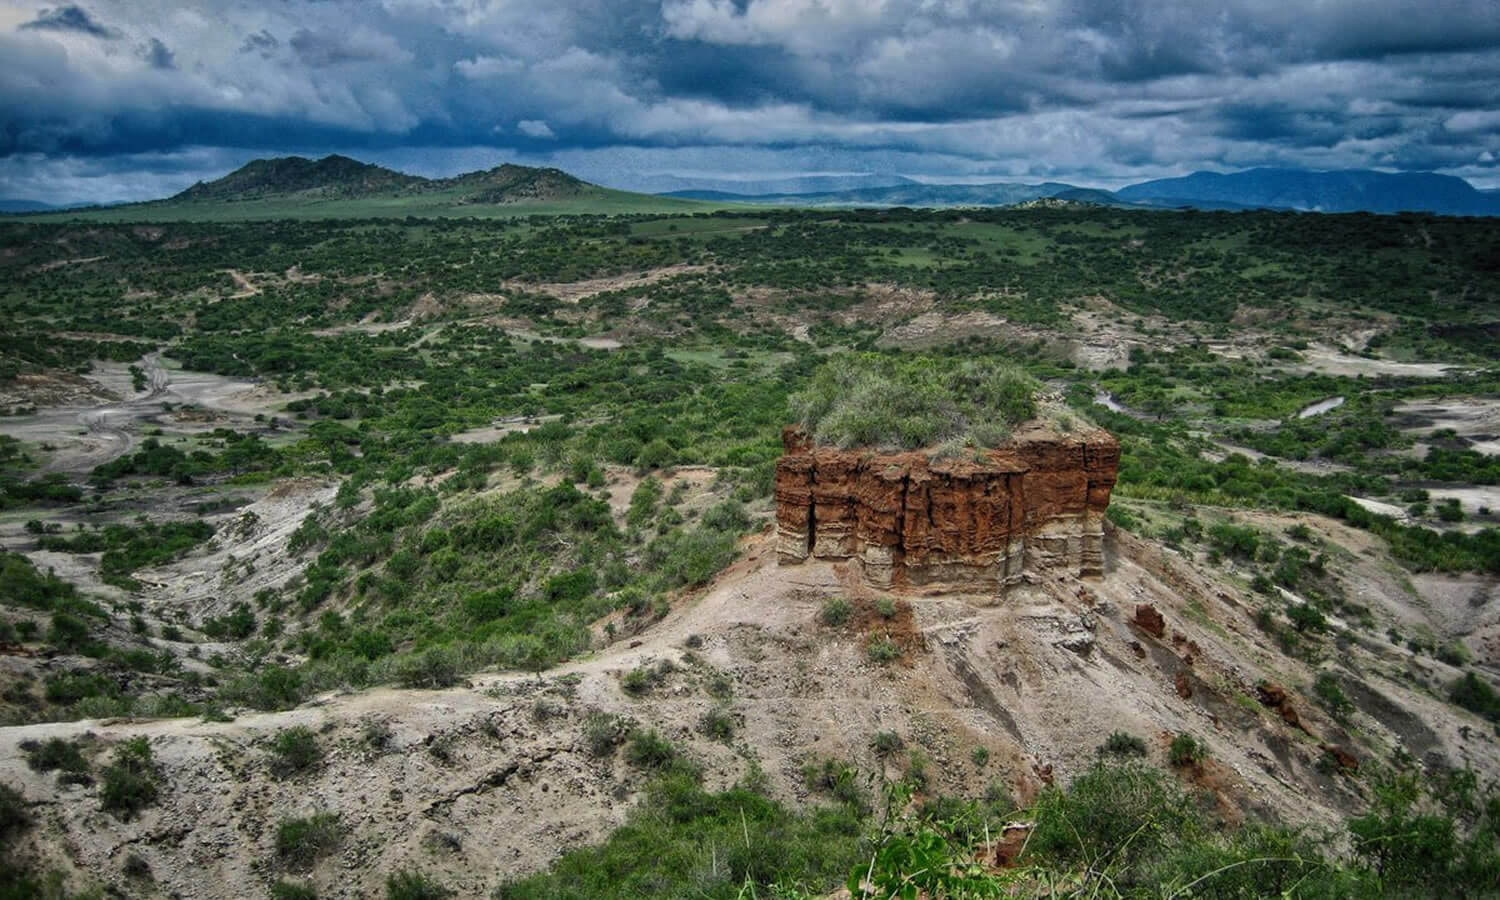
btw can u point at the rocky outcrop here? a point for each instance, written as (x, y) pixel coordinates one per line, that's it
(977, 522)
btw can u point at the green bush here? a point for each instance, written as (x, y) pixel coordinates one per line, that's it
(409, 885)
(1326, 688)
(639, 681)
(57, 754)
(13, 813)
(717, 724)
(291, 890)
(682, 841)
(884, 743)
(128, 784)
(835, 612)
(302, 841)
(294, 750)
(1113, 816)
(1121, 744)
(650, 750)
(602, 733)
(435, 667)
(837, 779)
(882, 650)
(1476, 695)
(1186, 750)
(868, 400)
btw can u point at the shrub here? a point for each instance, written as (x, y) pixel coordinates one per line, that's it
(885, 743)
(836, 611)
(409, 885)
(728, 516)
(376, 735)
(1111, 814)
(294, 750)
(57, 754)
(129, 783)
(882, 650)
(13, 814)
(886, 606)
(1306, 617)
(717, 724)
(639, 681)
(1121, 744)
(650, 750)
(1326, 688)
(837, 779)
(980, 756)
(1476, 695)
(291, 890)
(720, 686)
(1186, 750)
(302, 841)
(867, 400)
(602, 733)
(1454, 653)
(435, 667)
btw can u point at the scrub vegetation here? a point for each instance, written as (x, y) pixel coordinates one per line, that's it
(420, 448)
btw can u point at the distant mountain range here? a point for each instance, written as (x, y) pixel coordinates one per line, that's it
(797, 184)
(1352, 190)
(11, 205)
(337, 187)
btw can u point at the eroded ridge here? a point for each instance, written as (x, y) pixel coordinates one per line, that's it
(974, 522)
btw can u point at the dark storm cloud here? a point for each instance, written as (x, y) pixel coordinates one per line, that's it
(262, 42)
(1109, 89)
(69, 18)
(157, 55)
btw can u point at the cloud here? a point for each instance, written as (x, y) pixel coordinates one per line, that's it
(70, 18)
(157, 55)
(1098, 90)
(262, 42)
(535, 128)
(481, 67)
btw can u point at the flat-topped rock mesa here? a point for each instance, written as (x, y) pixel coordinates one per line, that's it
(972, 523)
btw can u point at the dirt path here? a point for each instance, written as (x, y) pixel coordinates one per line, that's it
(247, 287)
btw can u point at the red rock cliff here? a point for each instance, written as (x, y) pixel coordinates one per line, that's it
(967, 523)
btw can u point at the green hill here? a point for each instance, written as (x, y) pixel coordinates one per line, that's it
(288, 176)
(337, 187)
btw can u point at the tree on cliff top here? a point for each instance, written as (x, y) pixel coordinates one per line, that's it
(869, 400)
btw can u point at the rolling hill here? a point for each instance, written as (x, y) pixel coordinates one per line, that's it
(335, 187)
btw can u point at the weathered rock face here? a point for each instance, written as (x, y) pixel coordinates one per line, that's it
(970, 524)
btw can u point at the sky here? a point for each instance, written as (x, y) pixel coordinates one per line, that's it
(117, 100)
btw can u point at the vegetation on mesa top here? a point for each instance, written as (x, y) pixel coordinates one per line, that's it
(868, 400)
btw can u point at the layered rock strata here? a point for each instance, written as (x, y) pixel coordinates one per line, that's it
(974, 523)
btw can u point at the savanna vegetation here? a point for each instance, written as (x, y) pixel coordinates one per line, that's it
(503, 416)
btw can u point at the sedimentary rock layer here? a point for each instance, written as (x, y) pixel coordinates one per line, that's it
(974, 522)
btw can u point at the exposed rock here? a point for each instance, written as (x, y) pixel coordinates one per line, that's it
(1275, 696)
(1150, 621)
(1347, 761)
(978, 522)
